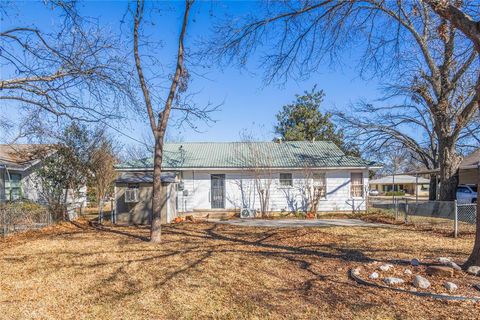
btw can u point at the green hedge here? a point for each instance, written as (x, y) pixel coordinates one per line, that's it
(395, 193)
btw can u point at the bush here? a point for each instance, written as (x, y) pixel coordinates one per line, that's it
(23, 213)
(395, 193)
(299, 214)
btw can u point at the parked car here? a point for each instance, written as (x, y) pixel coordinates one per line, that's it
(467, 193)
(374, 192)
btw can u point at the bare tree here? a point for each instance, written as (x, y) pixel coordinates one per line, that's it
(380, 129)
(462, 16)
(313, 189)
(422, 56)
(467, 20)
(176, 99)
(253, 156)
(73, 71)
(102, 170)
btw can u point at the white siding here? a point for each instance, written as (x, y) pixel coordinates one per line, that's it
(240, 191)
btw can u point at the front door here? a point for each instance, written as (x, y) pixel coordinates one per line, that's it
(218, 191)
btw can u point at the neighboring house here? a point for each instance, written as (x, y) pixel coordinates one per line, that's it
(468, 170)
(18, 180)
(402, 182)
(18, 163)
(225, 177)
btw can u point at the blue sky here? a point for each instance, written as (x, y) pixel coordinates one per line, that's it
(246, 101)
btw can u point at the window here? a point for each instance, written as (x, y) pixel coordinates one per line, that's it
(286, 179)
(320, 184)
(463, 190)
(356, 184)
(13, 186)
(132, 193)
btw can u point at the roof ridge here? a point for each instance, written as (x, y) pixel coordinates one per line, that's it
(227, 142)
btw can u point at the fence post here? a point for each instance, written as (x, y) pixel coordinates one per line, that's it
(406, 210)
(353, 205)
(4, 223)
(455, 219)
(395, 203)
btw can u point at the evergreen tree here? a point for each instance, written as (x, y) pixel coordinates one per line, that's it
(303, 121)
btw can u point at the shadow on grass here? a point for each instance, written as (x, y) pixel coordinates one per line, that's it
(187, 247)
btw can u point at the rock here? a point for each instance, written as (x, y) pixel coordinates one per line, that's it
(443, 271)
(453, 265)
(385, 267)
(449, 263)
(373, 276)
(189, 218)
(408, 272)
(415, 262)
(450, 286)
(356, 271)
(444, 260)
(421, 282)
(475, 270)
(391, 281)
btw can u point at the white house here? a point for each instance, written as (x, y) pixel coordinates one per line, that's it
(411, 185)
(225, 177)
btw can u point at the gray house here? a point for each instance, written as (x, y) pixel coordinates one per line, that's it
(133, 197)
(17, 170)
(18, 177)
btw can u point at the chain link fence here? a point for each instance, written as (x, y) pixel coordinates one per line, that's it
(444, 216)
(22, 216)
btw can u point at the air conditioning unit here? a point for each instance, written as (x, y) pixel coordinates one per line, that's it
(246, 213)
(131, 196)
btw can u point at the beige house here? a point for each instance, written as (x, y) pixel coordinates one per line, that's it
(133, 197)
(411, 185)
(468, 171)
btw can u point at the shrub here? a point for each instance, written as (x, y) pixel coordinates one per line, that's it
(23, 213)
(395, 193)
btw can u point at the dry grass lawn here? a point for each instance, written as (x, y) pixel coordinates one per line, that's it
(206, 270)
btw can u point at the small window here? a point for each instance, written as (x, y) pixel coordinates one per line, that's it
(286, 180)
(13, 186)
(356, 184)
(132, 193)
(320, 184)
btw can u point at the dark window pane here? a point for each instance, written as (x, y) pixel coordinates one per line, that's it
(286, 179)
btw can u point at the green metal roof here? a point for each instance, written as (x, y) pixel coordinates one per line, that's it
(291, 154)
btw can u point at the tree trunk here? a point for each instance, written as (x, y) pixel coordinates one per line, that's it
(432, 192)
(449, 162)
(474, 259)
(156, 218)
(65, 206)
